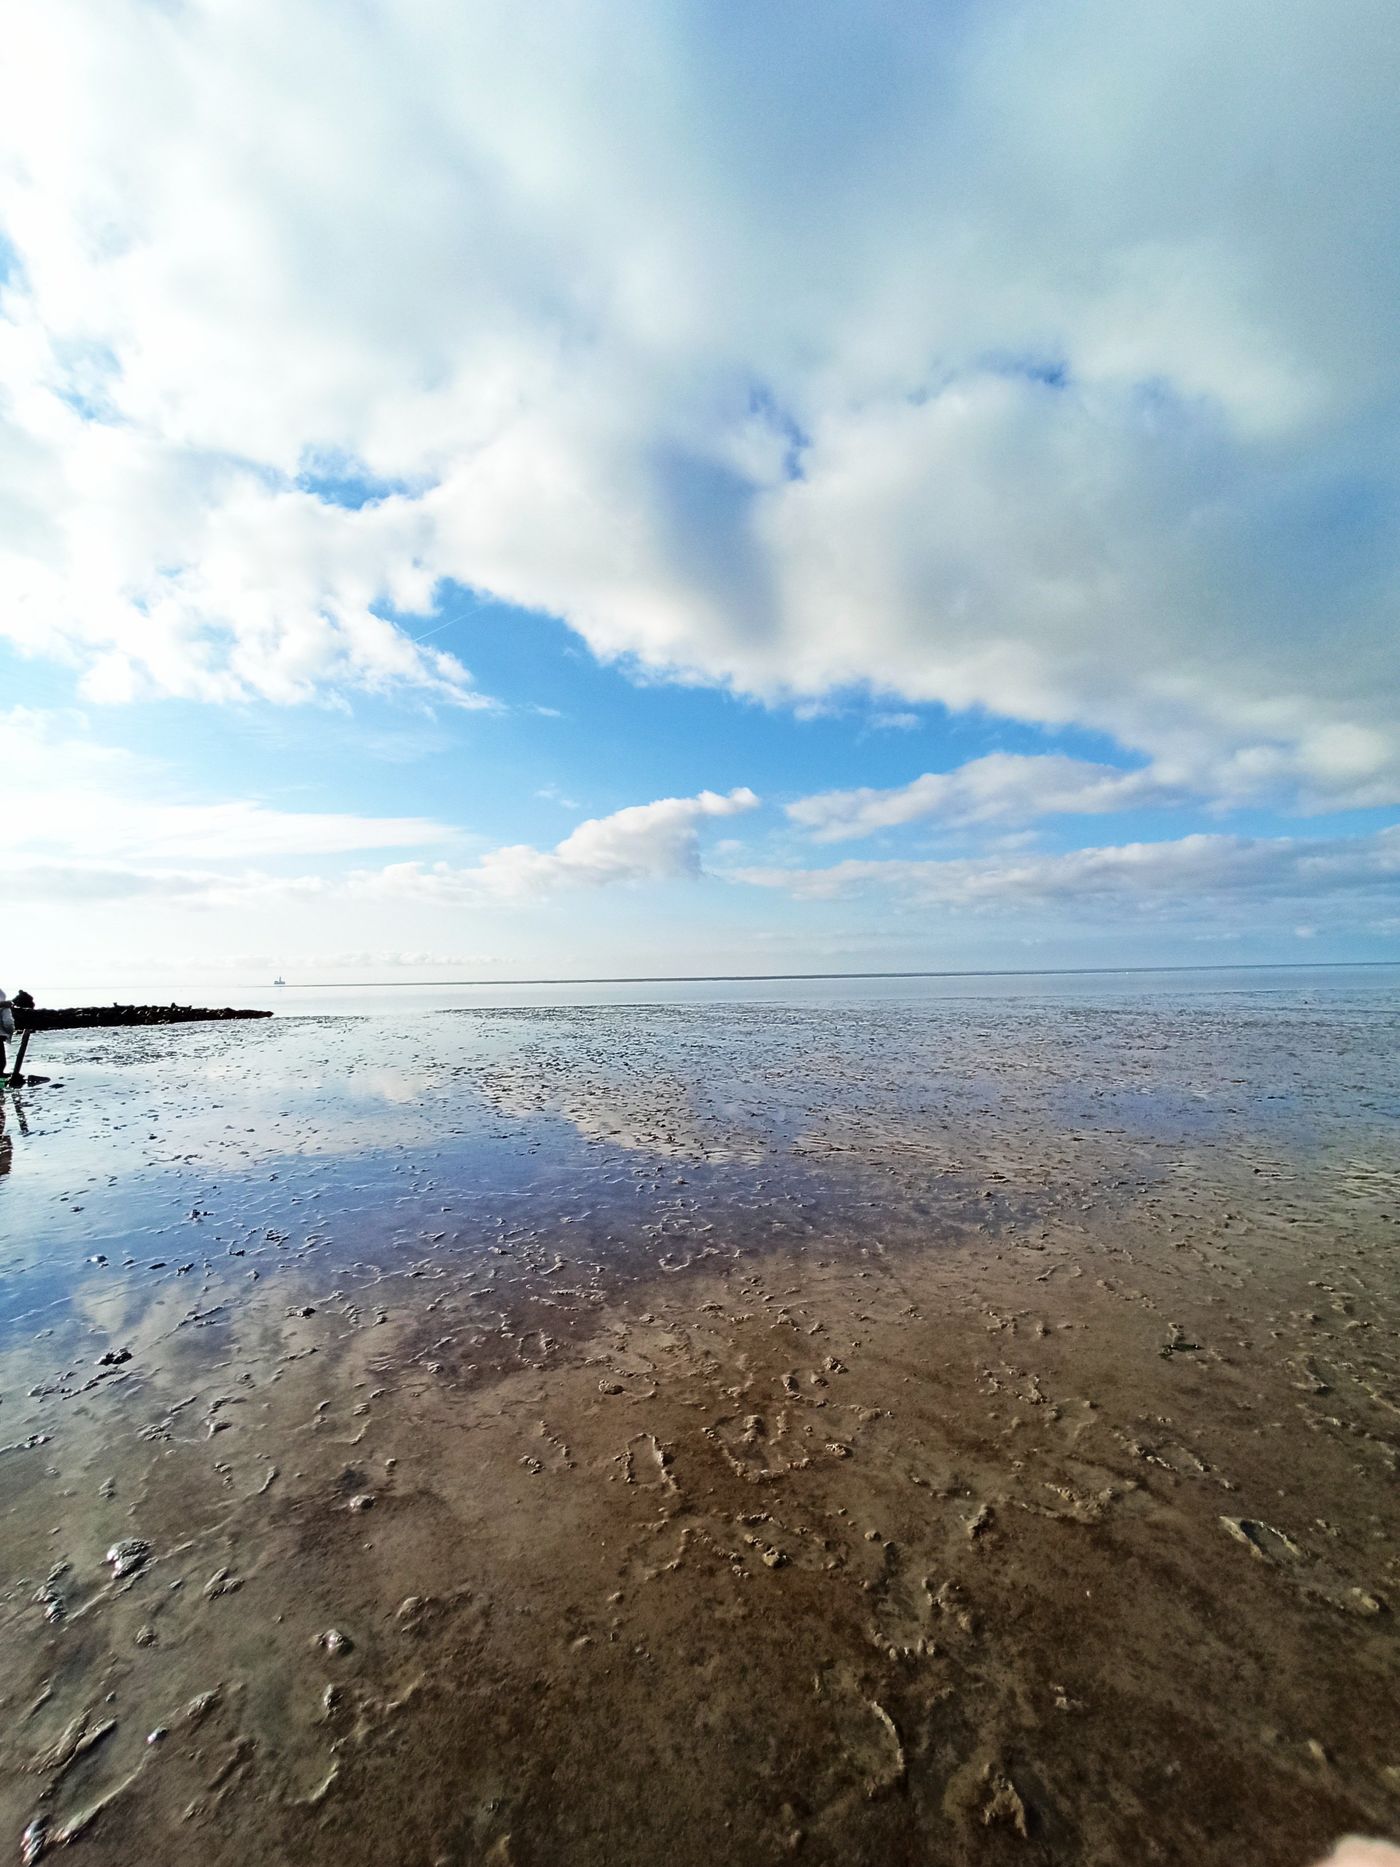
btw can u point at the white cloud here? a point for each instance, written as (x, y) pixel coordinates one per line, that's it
(1001, 787)
(234, 831)
(74, 883)
(365, 965)
(69, 797)
(1178, 879)
(643, 843)
(1033, 361)
(93, 835)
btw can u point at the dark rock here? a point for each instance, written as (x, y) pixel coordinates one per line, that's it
(81, 1017)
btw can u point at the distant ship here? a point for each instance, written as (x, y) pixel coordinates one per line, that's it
(279, 980)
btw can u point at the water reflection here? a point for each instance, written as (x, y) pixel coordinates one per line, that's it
(197, 1152)
(10, 1101)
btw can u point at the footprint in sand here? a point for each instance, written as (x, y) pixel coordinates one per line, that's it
(760, 1449)
(1274, 1547)
(551, 1454)
(646, 1462)
(866, 1752)
(914, 1617)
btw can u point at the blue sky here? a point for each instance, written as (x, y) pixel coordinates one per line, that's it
(622, 489)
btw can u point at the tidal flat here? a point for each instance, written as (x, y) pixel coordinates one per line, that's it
(904, 1429)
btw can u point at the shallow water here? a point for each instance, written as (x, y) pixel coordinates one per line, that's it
(776, 1406)
(407, 998)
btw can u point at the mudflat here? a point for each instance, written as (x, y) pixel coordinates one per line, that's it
(885, 1432)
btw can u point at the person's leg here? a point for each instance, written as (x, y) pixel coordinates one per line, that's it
(19, 1060)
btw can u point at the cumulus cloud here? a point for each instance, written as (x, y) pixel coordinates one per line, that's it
(1036, 362)
(652, 842)
(643, 843)
(1181, 878)
(1002, 787)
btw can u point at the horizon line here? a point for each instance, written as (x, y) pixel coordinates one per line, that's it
(764, 978)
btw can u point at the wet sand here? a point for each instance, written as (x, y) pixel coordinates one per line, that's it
(905, 1433)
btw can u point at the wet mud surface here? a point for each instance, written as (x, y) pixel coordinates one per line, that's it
(899, 1433)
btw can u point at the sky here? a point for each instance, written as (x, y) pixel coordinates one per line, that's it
(634, 486)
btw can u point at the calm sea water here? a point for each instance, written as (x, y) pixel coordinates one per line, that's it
(1301, 984)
